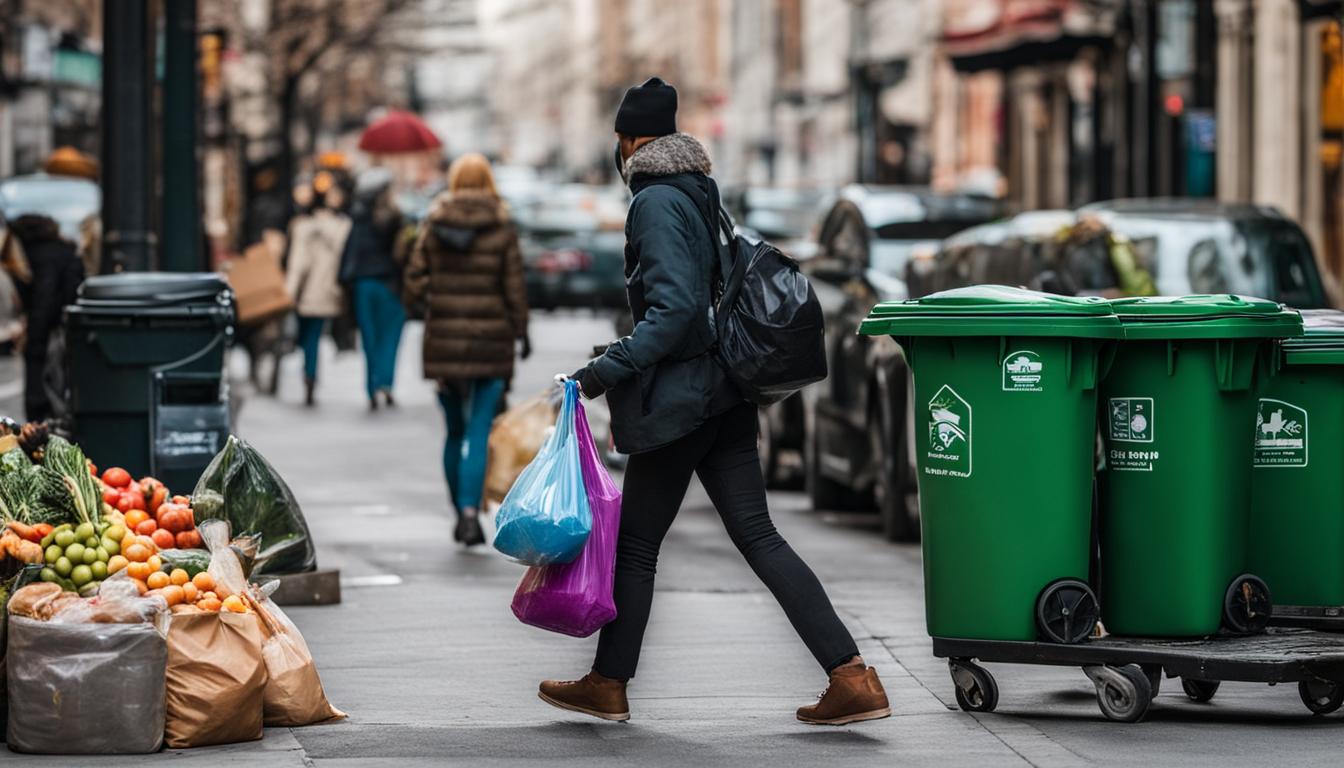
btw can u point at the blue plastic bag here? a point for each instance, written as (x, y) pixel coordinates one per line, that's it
(545, 518)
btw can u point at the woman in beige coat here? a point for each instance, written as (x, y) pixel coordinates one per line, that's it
(313, 276)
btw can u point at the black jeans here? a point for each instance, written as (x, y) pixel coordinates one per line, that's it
(722, 451)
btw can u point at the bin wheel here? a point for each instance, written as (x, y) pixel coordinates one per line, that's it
(1321, 696)
(1123, 693)
(1067, 611)
(1154, 674)
(1247, 607)
(976, 689)
(1201, 691)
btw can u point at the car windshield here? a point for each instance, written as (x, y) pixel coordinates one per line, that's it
(1266, 258)
(781, 214)
(894, 244)
(68, 201)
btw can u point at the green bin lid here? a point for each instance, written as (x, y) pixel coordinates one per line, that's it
(1323, 343)
(1220, 316)
(994, 310)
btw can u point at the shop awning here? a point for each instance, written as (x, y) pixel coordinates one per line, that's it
(1001, 34)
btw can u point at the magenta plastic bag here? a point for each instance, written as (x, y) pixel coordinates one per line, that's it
(575, 598)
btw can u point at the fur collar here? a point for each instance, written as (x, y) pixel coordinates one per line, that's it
(667, 156)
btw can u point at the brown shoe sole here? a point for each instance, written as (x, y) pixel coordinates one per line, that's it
(875, 714)
(615, 718)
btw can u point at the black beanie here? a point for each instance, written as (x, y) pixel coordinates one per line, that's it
(648, 110)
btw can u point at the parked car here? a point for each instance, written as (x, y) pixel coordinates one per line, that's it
(67, 199)
(786, 217)
(573, 248)
(1186, 246)
(857, 452)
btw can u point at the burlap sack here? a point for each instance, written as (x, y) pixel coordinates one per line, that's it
(515, 438)
(294, 694)
(216, 679)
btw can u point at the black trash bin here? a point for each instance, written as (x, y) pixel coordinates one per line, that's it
(145, 354)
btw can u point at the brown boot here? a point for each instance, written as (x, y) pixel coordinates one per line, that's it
(592, 695)
(854, 695)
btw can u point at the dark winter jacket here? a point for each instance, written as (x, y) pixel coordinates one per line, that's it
(370, 250)
(661, 381)
(57, 273)
(465, 269)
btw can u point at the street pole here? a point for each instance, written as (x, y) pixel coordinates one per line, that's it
(181, 250)
(128, 183)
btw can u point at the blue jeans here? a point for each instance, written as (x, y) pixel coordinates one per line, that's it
(310, 341)
(380, 316)
(469, 408)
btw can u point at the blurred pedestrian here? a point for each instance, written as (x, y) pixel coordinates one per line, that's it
(466, 271)
(312, 276)
(371, 270)
(56, 274)
(674, 410)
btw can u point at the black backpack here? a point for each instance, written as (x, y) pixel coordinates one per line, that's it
(769, 325)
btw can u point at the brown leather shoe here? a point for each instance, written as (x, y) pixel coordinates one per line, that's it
(592, 695)
(854, 695)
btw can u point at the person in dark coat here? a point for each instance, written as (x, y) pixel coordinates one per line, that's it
(675, 412)
(371, 272)
(56, 274)
(467, 272)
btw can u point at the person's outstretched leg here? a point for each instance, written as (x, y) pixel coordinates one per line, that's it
(731, 474)
(450, 399)
(655, 484)
(366, 316)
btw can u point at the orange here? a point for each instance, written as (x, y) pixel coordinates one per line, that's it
(137, 570)
(157, 580)
(211, 604)
(203, 581)
(116, 563)
(190, 593)
(173, 594)
(155, 563)
(135, 517)
(141, 586)
(234, 603)
(136, 553)
(209, 596)
(179, 576)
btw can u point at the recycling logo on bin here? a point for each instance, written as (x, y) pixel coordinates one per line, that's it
(1022, 371)
(1131, 420)
(1280, 434)
(949, 451)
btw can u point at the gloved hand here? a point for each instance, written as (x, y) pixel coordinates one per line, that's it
(525, 347)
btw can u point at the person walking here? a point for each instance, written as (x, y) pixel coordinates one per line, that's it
(312, 277)
(675, 412)
(466, 271)
(371, 270)
(56, 273)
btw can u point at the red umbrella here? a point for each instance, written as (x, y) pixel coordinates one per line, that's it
(398, 132)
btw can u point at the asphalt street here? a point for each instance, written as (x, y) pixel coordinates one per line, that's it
(433, 669)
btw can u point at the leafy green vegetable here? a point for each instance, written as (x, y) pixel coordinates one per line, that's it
(21, 497)
(14, 460)
(71, 470)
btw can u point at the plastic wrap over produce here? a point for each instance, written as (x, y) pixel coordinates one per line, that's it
(545, 518)
(575, 598)
(79, 688)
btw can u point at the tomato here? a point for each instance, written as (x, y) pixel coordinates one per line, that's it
(183, 500)
(163, 539)
(155, 493)
(188, 540)
(117, 477)
(128, 501)
(147, 528)
(93, 468)
(112, 496)
(43, 529)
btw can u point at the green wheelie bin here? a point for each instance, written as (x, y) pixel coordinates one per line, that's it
(1297, 497)
(1178, 406)
(1005, 394)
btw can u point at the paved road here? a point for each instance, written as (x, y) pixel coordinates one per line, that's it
(434, 670)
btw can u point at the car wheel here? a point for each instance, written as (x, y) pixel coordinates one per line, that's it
(824, 492)
(897, 502)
